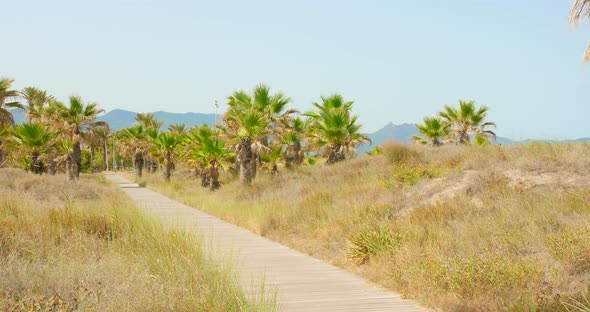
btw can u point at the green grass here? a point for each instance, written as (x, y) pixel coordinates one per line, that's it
(84, 246)
(494, 245)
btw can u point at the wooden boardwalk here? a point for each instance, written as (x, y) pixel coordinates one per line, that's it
(302, 283)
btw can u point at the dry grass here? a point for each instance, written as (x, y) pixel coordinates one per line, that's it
(490, 243)
(84, 246)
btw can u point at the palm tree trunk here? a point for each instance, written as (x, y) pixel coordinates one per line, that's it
(77, 160)
(36, 165)
(69, 169)
(51, 166)
(168, 167)
(138, 163)
(214, 174)
(335, 154)
(246, 159)
(205, 179)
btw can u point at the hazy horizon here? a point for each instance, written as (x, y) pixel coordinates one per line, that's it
(398, 61)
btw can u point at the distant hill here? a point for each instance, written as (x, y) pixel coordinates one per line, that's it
(119, 118)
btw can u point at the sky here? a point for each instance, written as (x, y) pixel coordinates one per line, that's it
(399, 61)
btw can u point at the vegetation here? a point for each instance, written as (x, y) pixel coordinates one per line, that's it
(85, 247)
(460, 125)
(463, 227)
(579, 12)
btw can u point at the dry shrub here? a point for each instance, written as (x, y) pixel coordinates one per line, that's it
(437, 213)
(398, 153)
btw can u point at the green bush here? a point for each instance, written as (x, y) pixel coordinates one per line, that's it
(368, 243)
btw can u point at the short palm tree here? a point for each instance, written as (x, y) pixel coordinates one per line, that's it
(164, 147)
(580, 11)
(434, 131)
(334, 131)
(292, 138)
(467, 121)
(33, 140)
(210, 152)
(135, 143)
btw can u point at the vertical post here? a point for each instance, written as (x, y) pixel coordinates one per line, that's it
(114, 160)
(106, 152)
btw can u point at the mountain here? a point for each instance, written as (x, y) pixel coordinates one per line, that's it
(401, 133)
(119, 118)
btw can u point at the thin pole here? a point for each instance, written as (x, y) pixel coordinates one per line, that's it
(106, 152)
(114, 168)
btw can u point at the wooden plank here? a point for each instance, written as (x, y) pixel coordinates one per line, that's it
(302, 283)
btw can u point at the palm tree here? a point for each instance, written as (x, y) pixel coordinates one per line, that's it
(467, 121)
(7, 101)
(97, 136)
(250, 123)
(37, 101)
(334, 130)
(33, 140)
(77, 118)
(434, 131)
(165, 144)
(134, 143)
(294, 134)
(152, 127)
(580, 10)
(210, 152)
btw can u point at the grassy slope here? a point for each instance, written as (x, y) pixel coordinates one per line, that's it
(84, 246)
(513, 232)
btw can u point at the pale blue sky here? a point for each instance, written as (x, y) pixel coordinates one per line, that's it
(398, 60)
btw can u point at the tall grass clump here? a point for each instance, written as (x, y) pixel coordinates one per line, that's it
(84, 246)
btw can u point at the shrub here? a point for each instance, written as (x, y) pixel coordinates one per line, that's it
(398, 153)
(368, 243)
(404, 175)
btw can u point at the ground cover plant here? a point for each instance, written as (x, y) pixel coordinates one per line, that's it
(459, 228)
(83, 246)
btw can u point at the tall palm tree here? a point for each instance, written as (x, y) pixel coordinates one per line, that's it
(434, 130)
(165, 144)
(580, 11)
(152, 127)
(334, 131)
(467, 121)
(251, 121)
(33, 140)
(77, 118)
(8, 100)
(96, 136)
(37, 101)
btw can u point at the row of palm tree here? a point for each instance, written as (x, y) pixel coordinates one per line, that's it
(257, 132)
(53, 134)
(463, 125)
